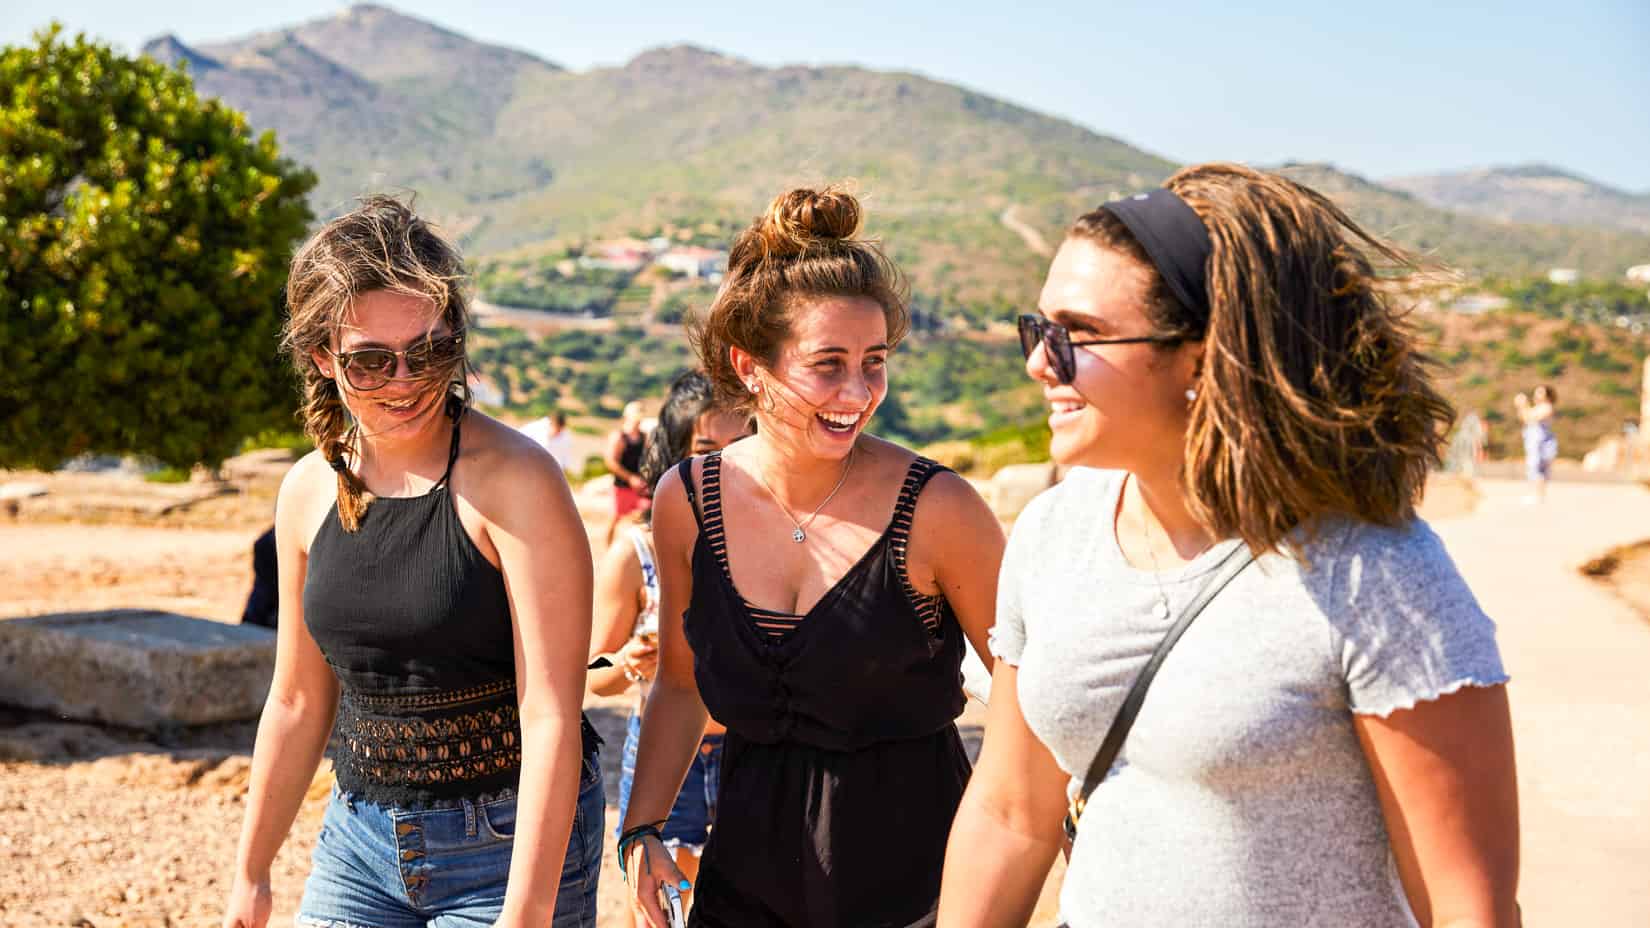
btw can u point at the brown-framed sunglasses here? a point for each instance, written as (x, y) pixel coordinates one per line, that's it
(370, 368)
(1057, 338)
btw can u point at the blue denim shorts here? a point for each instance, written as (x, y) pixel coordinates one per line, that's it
(387, 867)
(695, 809)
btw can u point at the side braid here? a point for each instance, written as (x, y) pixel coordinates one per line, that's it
(326, 421)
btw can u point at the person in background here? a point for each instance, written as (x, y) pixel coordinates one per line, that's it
(1540, 444)
(1467, 448)
(435, 588)
(626, 632)
(263, 603)
(1330, 742)
(819, 587)
(623, 456)
(552, 435)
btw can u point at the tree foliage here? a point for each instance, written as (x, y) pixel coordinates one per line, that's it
(144, 242)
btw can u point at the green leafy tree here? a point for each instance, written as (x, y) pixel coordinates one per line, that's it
(144, 242)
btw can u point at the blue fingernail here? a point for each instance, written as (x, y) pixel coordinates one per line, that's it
(684, 885)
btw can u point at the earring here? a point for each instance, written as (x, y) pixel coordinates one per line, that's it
(1191, 395)
(755, 386)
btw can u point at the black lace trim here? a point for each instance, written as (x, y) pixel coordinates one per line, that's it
(456, 742)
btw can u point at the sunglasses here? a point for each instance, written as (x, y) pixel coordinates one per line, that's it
(1057, 339)
(371, 368)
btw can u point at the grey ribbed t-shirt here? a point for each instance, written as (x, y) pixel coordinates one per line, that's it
(1242, 796)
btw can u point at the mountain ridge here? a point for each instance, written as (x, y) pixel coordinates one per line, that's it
(524, 150)
(1532, 192)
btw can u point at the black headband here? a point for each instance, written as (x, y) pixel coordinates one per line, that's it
(1175, 240)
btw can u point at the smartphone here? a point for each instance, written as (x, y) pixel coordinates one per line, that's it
(670, 900)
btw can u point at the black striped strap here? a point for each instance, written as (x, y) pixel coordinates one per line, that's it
(1229, 567)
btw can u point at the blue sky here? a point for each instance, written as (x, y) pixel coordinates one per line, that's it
(1382, 89)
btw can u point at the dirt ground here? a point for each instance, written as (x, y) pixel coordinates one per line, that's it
(108, 827)
(104, 827)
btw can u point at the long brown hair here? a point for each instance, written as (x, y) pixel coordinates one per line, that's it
(1313, 397)
(380, 245)
(803, 246)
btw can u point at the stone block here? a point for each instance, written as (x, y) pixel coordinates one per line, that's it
(1014, 486)
(136, 667)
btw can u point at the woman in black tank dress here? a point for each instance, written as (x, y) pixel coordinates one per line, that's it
(819, 588)
(435, 589)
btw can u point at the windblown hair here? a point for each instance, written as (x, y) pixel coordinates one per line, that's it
(1313, 396)
(691, 395)
(803, 247)
(380, 245)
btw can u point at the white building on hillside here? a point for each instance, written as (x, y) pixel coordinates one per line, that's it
(695, 261)
(1563, 275)
(1639, 274)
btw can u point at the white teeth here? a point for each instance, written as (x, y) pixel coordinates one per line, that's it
(841, 419)
(1066, 405)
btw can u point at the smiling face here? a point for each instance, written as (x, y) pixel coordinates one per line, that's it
(829, 378)
(405, 405)
(1126, 406)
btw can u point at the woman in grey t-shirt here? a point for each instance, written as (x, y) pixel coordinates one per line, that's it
(1329, 744)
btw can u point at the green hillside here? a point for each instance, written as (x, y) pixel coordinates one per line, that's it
(511, 151)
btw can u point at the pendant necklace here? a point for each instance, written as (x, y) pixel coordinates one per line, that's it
(800, 534)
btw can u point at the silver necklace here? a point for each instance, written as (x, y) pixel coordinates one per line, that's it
(1161, 608)
(800, 534)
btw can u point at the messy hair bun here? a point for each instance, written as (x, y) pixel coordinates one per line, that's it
(804, 218)
(803, 245)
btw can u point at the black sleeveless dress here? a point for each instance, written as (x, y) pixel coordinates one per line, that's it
(415, 623)
(842, 767)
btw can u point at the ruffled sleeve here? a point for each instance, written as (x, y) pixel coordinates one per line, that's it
(1407, 629)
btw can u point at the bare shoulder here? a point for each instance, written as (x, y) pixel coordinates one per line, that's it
(674, 524)
(499, 464)
(949, 500)
(307, 494)
(621, 557)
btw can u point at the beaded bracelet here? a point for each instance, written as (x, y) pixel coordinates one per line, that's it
(630, 836)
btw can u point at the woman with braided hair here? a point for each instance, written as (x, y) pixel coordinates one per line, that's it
(435, 589)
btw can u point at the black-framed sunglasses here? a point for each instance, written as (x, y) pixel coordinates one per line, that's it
(370, 368)
(1035, 329)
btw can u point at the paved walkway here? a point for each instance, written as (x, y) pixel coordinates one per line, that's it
(1580, 664)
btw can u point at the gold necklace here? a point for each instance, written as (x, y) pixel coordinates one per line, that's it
(800, 534)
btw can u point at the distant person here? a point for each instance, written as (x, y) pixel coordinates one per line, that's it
(1540, 444)
(626, 632)
(435, 595)
(818, 588)
(552, 435)
(263, 603)
(1329, 743)
(623, 456)
(1467, 449)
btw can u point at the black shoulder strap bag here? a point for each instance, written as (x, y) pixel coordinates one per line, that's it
(1228, 568)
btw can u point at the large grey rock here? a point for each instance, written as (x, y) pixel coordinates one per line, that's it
(136, 667)
(1014, 486)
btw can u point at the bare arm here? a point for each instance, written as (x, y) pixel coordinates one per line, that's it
(963, 545)
(1448, 786)
(618, 591)
(675, 717)
(545, 559)
(1007, 830)
(298, 714)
